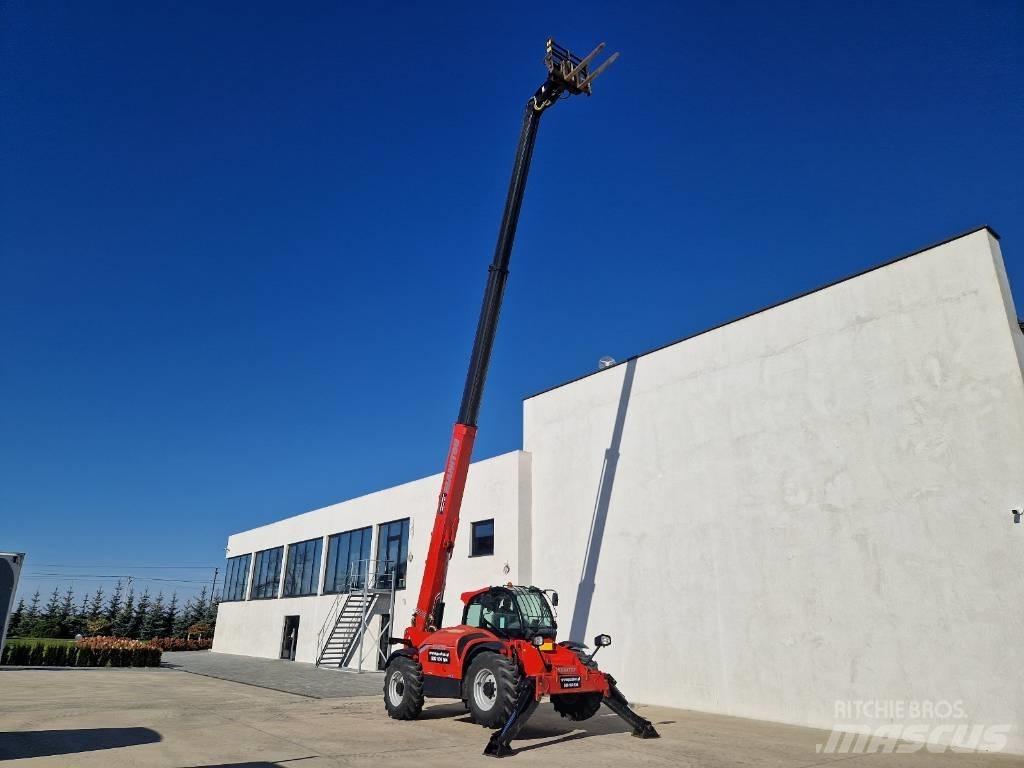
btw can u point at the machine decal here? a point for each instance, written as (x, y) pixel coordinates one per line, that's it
(439, 655)
(463, 641)
(569, 681)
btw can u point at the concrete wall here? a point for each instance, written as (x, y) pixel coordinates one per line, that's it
(807, 505)
(495, 489)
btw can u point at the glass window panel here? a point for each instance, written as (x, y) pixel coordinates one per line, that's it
(266, 574)
(482, 539)
(392, 553)
(347, 554)
(235, 577)
(302, 573)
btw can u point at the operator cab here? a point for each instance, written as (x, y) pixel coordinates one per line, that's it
(513, 612)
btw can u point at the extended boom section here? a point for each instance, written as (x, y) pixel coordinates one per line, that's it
(567, 75)
(503, 658)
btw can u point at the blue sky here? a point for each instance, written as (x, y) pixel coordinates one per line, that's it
(242, 247)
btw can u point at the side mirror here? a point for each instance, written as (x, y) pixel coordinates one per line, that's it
(602, 640)
(554, 599)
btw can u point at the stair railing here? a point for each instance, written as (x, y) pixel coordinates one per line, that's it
(370, 577)
(327, 628)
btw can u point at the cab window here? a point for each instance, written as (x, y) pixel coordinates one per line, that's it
(494, 611)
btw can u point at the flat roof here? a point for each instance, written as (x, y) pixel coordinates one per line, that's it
(984, 227)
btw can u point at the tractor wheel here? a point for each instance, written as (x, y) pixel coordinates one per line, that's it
(403, 688)
(489, 689)
(577, 706)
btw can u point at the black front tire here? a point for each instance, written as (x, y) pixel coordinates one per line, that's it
(577, 706)
(403, 688)
(489, 689)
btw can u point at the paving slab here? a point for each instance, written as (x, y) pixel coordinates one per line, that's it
(165, 718)
(287, 676)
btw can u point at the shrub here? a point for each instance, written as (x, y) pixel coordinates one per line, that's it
(199, 629)
(87, 652)
(181, 644)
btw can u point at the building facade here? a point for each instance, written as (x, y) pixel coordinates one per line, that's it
(800, 509)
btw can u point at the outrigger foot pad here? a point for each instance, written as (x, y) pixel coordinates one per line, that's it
(616, 702)
(499, 744)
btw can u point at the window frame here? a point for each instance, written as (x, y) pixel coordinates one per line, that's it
(258, 559)
(403, 549)
(232, 571)
(310, 563)
(473, 538)
(365, 547)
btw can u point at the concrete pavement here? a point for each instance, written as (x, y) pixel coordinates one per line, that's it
(168, 719)
(287, 676)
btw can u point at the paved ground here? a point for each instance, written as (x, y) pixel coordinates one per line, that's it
(164, 717)
(287, 676)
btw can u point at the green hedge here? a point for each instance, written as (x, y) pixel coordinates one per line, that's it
(43, 655)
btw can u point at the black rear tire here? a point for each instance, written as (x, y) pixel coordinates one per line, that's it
(489, 689)
(403, 688)
(577, 706)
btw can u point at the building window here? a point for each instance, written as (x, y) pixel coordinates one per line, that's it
(266, 574)
(302, 573)
(482, 540)
(235, 578)
(348, 558)
(392, 553)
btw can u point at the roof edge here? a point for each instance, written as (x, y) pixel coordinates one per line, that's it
(983, 227)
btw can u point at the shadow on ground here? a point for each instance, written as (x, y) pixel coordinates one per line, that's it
(16, 745)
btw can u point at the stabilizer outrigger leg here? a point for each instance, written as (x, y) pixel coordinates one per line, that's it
(616, 702)
(499, 744)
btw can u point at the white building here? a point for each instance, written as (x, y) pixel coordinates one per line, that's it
(805, 507)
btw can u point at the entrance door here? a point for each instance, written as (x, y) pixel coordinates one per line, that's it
(290, 640)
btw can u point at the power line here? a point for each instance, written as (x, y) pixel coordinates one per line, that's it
(37, 575)
(129, 567)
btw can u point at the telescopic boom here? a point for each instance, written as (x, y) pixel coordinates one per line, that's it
(568, 75)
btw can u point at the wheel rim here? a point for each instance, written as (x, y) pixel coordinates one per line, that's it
(396, 688)
(485, 689)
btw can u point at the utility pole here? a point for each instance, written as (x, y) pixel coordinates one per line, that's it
(213, 588)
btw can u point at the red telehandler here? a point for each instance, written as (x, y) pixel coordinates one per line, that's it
(503, 658)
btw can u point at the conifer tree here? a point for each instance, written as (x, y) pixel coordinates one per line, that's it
(65, 619)
(95, 604)
(199, 608)
(28, 622)
(170, 617)
(48, 623)
(16, 618)
(114, 605)
(210, 617)
(81, 615)
(138, 616)
(153, 621)
(122, 623)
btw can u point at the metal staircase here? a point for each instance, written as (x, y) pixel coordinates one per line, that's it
(351, 621)
(370, 592)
